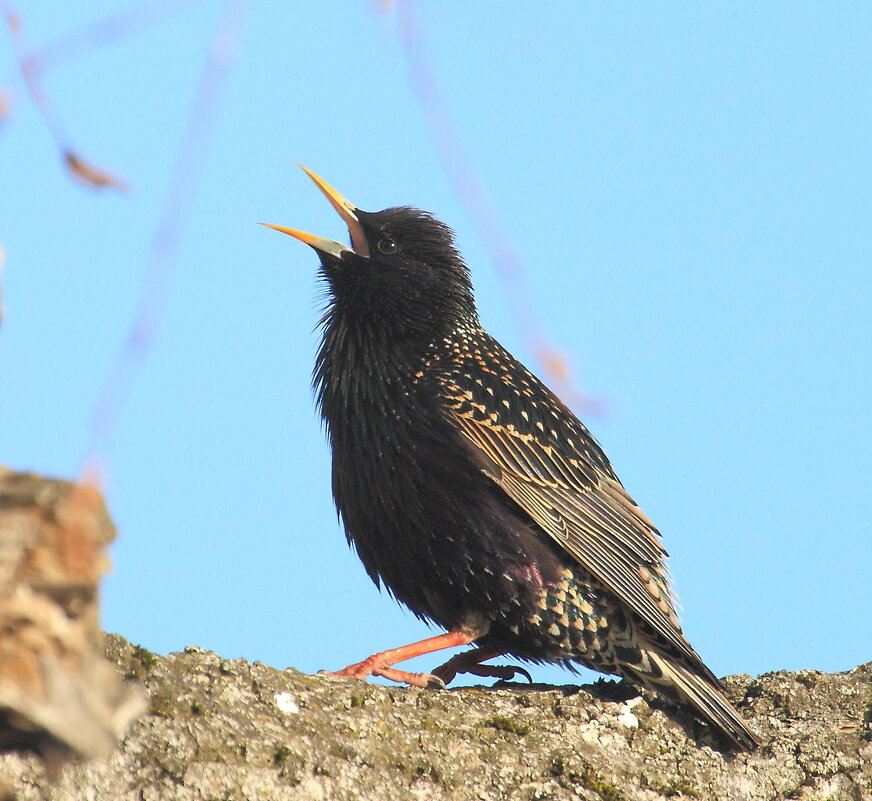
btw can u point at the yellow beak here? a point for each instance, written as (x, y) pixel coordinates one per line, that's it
(318, 242)
(345, 208)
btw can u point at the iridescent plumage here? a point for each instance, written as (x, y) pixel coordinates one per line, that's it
(471, 492)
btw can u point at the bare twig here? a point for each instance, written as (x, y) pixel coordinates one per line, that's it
(167, 232)
(80, 169)
(5, 104)
(2, 262)
(473, 195)
(102, 32)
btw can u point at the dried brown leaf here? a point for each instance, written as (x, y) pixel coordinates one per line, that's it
(5, 105)
(558, 372)
(13, 21)
(2, 261)
(90, 176)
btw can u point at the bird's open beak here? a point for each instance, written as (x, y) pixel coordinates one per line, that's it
(346, 209)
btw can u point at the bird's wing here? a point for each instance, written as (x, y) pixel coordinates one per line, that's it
(549, 464)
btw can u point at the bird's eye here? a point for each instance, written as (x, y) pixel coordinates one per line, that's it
(387, 245)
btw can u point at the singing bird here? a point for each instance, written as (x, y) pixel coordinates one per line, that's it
(470, 491)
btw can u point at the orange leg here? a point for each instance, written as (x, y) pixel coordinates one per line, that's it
(380, 664)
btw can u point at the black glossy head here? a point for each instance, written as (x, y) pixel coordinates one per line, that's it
(413, 281)
(401, 279)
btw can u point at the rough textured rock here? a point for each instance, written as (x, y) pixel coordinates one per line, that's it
(58, 694)
(227, 729)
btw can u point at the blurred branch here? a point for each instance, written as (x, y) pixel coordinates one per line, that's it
(84, 172)
(2, 263)
(104, 31)
(473, 195)
(168, 231)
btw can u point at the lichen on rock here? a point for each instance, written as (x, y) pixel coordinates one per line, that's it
(229, 729)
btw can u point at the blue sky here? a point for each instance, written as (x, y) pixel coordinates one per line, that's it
(688, 187)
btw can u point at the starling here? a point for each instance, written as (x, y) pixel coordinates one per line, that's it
(471, 492)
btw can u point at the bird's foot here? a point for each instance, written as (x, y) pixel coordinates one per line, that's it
(372, 667)
(426, 681)
(380, 664)
(470, 662)
(359, 670)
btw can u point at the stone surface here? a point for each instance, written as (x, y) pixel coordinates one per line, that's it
(230, 730)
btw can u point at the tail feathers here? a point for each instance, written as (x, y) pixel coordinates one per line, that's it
(684, 684)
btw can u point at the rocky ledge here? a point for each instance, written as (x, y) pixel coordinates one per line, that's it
(227, 729)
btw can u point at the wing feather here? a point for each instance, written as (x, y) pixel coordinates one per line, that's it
(586, 510)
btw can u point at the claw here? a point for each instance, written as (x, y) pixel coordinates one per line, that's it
(470, 662)
(435, 683)
(501, 672)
